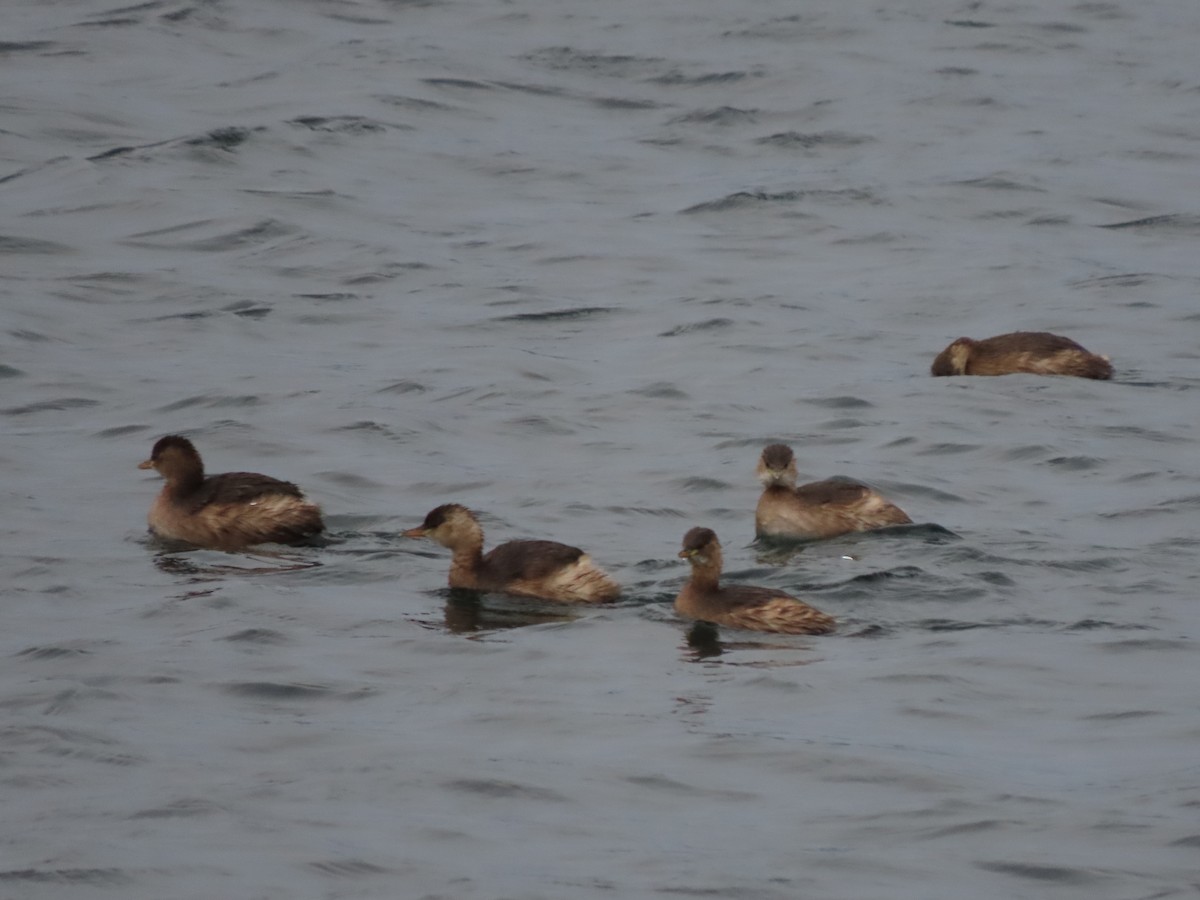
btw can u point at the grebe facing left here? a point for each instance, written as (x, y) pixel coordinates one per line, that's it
(225, 512)
(544, 569)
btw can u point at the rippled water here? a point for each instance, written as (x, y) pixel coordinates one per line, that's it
(573, 265)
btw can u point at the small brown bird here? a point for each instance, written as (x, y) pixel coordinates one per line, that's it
(544, 569)
(740, 606)
(820, 509)
(1033, 352)
(225, 512)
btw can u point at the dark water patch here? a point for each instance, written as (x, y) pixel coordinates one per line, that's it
(660, 390)
(94, 877)
(1062, 27)
(186, 316)
(221, 138)
(918, 678)
(25, 245)
(1192, 840)
(1123, 281)
(843, 402)
(877, 237)
(925, 492)
(997, 579)
(956, 71)
(559, 315)
(260, 232)
(115, 22)
(1026, 451)
(37, 337)
(346, 124)
(1155, 645)
(775, 550)
(741, 891)
(457, 83)
(384, 274)
(969, 23)
(10, 372)
(663, 784)
(677, 78)
(1040, 873)
(256, 636)
(347, 868)
(121, 151)
(539, 90)
(210, 401)
(369, 427)
(1172, 223)
(794, 139)
(403, 387)
(706, 325)
(54, 652)
(489, 787)
(353, 479)
(544, 425)
(1147, 434)
(59, 405)
(999, 183)
(417, 104)
(336, 297)
(568, 59)
(940, 626)
(900, 572)
(1049, 220)
(293, 690)
(652, 511)
(1121, 716)
(624, 103)
(248, 309)
(225, 139)
(978, 827)
(185, 808)
(68, 743)
(839, 425)
(178, 15)
(948, 449)
(697, 484)
(1098, 9)
(1076, 463)
(758, 199)
(1091, 624)
(723, 116)
(466, 612)
(8, 47)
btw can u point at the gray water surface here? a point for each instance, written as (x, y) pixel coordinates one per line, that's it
(573, 265)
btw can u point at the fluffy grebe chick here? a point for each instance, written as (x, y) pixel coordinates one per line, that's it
(1033, 352)
(740, 606)
(544, 569)
(820, 509)
(224, 512)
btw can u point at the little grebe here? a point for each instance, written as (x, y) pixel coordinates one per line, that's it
(544, 569)
(1033, 352)
(224, 512)
(741, 606)
(820, 509)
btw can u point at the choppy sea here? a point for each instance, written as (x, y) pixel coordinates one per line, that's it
(573, 264)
